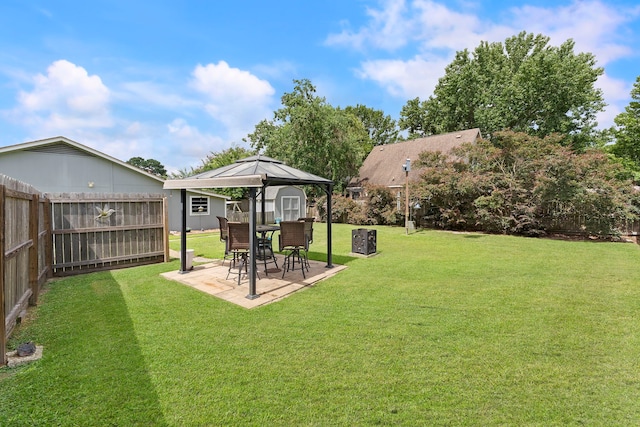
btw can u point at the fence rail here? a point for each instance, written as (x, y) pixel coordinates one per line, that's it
(109, 230)
(575, 224)
(244, 216)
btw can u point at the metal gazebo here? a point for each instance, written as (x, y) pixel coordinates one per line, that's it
(255, 172)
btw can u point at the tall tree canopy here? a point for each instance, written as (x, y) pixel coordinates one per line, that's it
(151, 166)
(522, 84)
(627, 131)
(309, 134)
(413, 118)
(382, 128)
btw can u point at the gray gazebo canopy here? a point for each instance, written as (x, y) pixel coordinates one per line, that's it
(251, 172)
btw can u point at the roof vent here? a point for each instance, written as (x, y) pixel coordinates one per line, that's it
(381, 148)
(458, 136)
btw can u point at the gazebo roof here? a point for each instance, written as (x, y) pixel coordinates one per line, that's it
(254, 171)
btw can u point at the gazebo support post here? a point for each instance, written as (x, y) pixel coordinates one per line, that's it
(252, 244)
(263, 205)
(183, 235)
(329, 190)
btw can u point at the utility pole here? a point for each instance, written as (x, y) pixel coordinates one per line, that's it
(407, 168)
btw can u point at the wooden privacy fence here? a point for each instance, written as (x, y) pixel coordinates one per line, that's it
(25, 258)
(244, 216)
(60, 234)
(574, 223)
(102, 231)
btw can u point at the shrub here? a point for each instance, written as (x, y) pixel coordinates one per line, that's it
(343, 209)
(525, 185)
(376, 208)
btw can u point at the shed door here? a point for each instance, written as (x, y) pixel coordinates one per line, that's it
(290, 208)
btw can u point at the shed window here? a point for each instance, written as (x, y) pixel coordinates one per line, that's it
(290, 208)
(199, 206)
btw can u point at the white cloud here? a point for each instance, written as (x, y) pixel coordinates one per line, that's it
(151, 94)
(64, 99)
(191, 141)
(618, 90)
(236, 98)
(440, 27)
(388, 29)
(67, 100)
(618, 93)
(432, 25)
(405, 79)
(432, 32)
(593, 25)
(277, 70)
(177, 145)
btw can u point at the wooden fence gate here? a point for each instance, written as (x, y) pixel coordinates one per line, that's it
(25, 258)
(103, 231)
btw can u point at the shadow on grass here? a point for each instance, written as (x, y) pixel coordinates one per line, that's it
(336, 259)
(92, 372)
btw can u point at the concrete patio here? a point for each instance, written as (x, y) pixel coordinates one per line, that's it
(211, 277)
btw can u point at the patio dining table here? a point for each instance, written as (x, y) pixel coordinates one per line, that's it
(263, 229)
(265, 247)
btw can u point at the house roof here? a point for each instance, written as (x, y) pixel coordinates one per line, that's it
(383, 165)
(64, 145)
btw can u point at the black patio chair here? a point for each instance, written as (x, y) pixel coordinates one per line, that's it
(238, 246)
(224, 236)
(293, 241)
(308, 231)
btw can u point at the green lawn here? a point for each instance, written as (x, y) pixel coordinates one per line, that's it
(437, 329)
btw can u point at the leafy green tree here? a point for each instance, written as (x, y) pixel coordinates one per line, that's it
(225, 157)
(413, 118)
(309, 134)
(151, 166)
(216, 160)
(522, 84)
(382, 128)
(627, 130)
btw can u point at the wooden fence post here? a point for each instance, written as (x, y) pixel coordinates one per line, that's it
(3, 315)
(34, 210)
(165, 229)
(48, 236)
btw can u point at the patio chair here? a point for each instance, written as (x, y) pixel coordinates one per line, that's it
(238, 246)
(292, 239)
(308, 232)
(224, 236)
(308, 227)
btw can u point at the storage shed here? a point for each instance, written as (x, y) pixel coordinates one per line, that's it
(287, 202)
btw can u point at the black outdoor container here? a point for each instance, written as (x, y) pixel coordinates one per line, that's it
(363, 241)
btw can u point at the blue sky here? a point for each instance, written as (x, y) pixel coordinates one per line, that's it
(176, 80)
